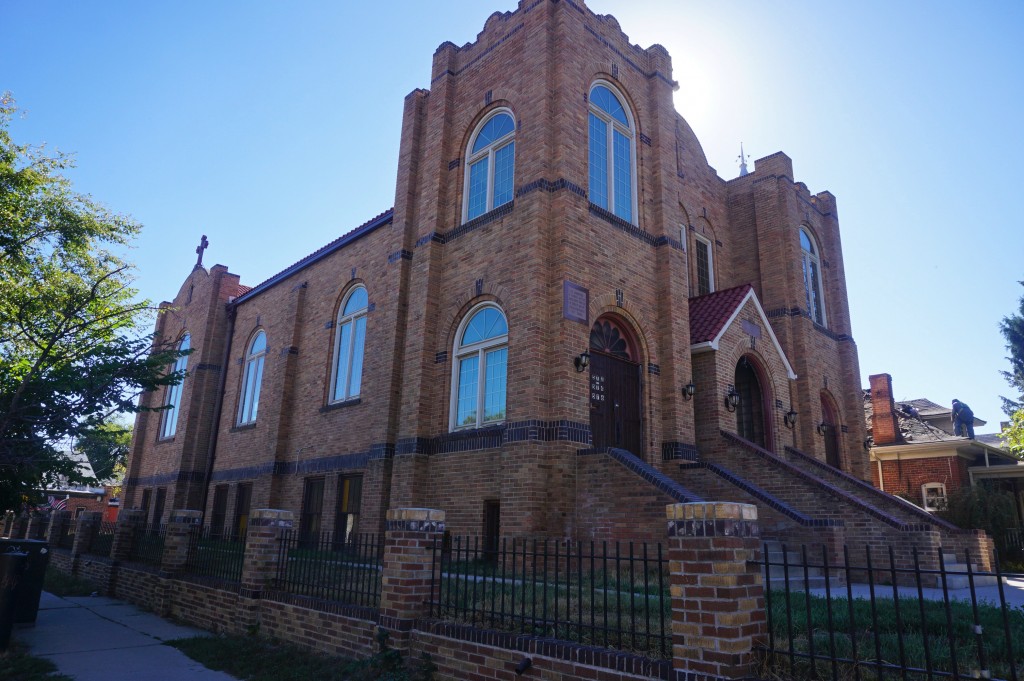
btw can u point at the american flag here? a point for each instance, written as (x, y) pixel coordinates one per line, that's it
(56, 504)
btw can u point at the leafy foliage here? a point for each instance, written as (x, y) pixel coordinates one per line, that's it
(71, 353)
(1013, 433)
(982, 508)
(106, 446)
(1012, 328)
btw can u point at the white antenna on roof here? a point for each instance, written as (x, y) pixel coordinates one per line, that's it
(743, 162)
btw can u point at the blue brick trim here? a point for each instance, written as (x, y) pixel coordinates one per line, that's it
(664, 483)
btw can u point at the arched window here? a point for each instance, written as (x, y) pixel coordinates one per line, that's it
(252, 379)
(490, 164)
(812, 278)
(348, 346)
(704, 255)
(611, 154)
(169, 422)
(479, 369)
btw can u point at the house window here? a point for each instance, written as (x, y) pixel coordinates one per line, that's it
(147, 495)
(312, 512)
(169, 422)
(350, 496)
(490, 165)
(811, 264)
(933, 494)
(705, 266)
(158, 508)
(611, 154)
(481, 358)
(348, 346)
(252, 379)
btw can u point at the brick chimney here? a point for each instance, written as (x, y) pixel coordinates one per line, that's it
(885, 426)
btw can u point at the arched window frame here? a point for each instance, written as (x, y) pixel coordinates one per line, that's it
(810, 266)
(252, 379)
(480, 351)
(172, 400)
(627, 212)
(349, 351)
(490, 154)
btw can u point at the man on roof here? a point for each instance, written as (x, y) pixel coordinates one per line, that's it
(963, 419)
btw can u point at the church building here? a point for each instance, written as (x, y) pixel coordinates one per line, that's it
(566, 321)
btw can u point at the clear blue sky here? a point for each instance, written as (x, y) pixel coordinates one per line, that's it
(273, 127)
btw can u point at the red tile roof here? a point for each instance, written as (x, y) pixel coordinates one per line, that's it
(709, 313)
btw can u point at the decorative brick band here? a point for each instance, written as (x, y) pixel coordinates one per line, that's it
(632, 230)
(207, 367)
(531, 430)
(715, 519)
(550, 187)
(167, 478)
(679, 450)
(664, 483)
(649, 74)
(414, 526)
(476, 223)
(800, 312)
(399, 255)
(246, 473)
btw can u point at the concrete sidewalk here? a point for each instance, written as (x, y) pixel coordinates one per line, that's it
(97, 639)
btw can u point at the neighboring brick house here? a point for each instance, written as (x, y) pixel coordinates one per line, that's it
(915, 454)
(567, 320)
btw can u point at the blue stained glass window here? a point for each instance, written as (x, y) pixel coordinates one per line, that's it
(480, 398)
(490, 166)
(611, 153)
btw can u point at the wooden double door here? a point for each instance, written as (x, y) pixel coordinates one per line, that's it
(615, 403)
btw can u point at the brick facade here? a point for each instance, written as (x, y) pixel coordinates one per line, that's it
(425, 269)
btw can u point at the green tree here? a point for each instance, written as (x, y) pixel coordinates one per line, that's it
(1012, 328)
(71, 350)
(106, 446)
(1013, 433)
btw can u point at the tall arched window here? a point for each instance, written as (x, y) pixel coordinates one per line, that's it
(479, 369)
(169, 421)
(611, 153)
(252, 379)
(490, 165)
(812, 278)
(348, 346)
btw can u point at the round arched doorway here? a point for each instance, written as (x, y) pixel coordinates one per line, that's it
(615, 387)
(751, 413)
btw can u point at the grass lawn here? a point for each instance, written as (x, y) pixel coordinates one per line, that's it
(17, 665)
(255, 659)
(61, 584)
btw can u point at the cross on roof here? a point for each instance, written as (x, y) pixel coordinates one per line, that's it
(203, 245)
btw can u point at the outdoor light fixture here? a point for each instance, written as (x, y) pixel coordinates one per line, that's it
(732, 399)
(789, 418)
(822, 427)
(582, 361)
(867, 444)
(523, 665)
(688, 391)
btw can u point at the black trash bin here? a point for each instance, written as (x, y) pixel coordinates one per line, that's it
(30, 588)
(12, 567)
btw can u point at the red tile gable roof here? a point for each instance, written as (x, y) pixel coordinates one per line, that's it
(709, 313)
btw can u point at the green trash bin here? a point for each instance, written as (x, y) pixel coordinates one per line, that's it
(12, 566)
(30, 587)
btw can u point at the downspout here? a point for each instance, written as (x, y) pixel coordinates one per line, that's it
(212, 449)
(881, 480)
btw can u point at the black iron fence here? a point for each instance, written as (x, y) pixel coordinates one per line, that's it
(1013, 539)
(213, 554)
(608, 594)
(148, 546)
(66, 538)
(103, 540)
(869, 617)
(327, 567)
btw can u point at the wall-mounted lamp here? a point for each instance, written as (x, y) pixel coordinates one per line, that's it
(732, 399)
(582, 361)
(867, 444)
(689, 390)
(789, 418)
(822, 427)
(523, 665)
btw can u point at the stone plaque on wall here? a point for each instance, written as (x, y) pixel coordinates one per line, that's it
(575, 302)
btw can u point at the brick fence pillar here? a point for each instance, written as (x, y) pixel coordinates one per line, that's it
(178, 540)
(85, 533)
(18, 526)
(59, 522)
(130, 523)
(410, 536)
(259, 566)
(718, 612)
(8, 524)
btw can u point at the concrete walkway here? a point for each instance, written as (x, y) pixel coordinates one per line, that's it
(97, 639)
